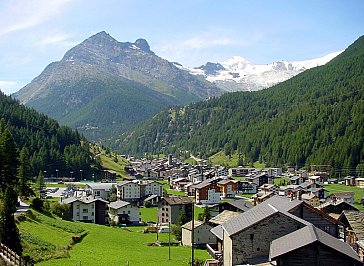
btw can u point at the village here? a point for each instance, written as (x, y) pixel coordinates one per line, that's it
(250, 218)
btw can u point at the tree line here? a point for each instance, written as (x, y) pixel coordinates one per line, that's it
(53, 149)
(313, 118)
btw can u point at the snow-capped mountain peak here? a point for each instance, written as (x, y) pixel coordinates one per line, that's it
(237, 73)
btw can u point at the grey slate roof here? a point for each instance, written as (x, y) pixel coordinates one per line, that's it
(124, 182)
(218, 231)
(282, 203)
(86, 200)
(247, 219)
(241, 204)
(105, 186)
(305, 236)
(260, 212)
(118, 204)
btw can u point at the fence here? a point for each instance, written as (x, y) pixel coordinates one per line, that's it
(11, 258)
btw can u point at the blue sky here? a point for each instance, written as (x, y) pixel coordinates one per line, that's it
(34, 33)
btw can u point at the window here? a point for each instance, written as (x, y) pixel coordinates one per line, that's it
(128, 212)
(78, 214)
(84, 210)
(77, 206)
(84, 218)
(92, 213)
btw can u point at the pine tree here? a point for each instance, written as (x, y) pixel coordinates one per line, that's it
(24, 171)
(40, 183)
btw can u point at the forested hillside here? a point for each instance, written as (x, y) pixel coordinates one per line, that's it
(50, 146)
(313, 118)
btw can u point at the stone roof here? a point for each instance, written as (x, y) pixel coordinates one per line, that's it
(178, 200)
(306, 236)
(356, 222)
(223, 217)
(196, 224)
(118, 204)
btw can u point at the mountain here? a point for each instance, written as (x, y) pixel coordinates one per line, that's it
(238, 74)
(52, 148)
(102, 86)
(315, 117)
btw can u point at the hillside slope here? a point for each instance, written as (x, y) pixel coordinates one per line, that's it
(50, 145)
(315, 117)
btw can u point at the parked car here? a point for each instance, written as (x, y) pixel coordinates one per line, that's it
(164, 229)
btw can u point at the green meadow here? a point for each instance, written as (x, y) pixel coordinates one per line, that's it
(52, 241)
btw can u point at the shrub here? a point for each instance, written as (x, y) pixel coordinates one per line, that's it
(37, 204)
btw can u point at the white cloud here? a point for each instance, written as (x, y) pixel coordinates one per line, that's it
(62, 39)
(19, 15)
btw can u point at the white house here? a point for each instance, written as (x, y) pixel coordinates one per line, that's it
(152, 188)
(87, 209)
(99, 190)
(128, 190)
(202, 234)
(123, 212)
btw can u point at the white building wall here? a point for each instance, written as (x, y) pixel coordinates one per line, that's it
(83, 211)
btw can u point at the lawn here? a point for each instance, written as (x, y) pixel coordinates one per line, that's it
(149, 214)
(102, 245)
(280, 181)
(221, 159)
(359, 192)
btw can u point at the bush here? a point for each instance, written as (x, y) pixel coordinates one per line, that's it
(147, 204)
(37, 204)
(61, 210)
(177, 231)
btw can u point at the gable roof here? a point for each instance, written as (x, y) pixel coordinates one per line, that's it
(178, 200)
(85, 200)
(253, 216)
(105, 186)
(196, 224)
(306, 236)
(118, 204)
(124, 182)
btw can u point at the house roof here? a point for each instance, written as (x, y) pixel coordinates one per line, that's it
(287, 205)
(223, 217)
(85, 200)
(151, 197)
(105, 186)
(225, 181)
(253, 216)
(306, 236)
(241, 204)
(124, 182)
(308, 196)
(356, 222)
(118, 204)
(218, 231)
(343, 194)
(196, 224)
(178, 200)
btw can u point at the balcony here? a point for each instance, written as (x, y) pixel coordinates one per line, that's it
(213, 251)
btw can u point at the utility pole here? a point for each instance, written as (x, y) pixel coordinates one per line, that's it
(169, 241)
(193, 233)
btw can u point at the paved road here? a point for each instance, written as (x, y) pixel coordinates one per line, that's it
(23, 207)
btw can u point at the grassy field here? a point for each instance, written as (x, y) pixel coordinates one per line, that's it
(221, 159)
(278, 181)
(50, 239)
(109, 163)
(359, 192)
(149, 214)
